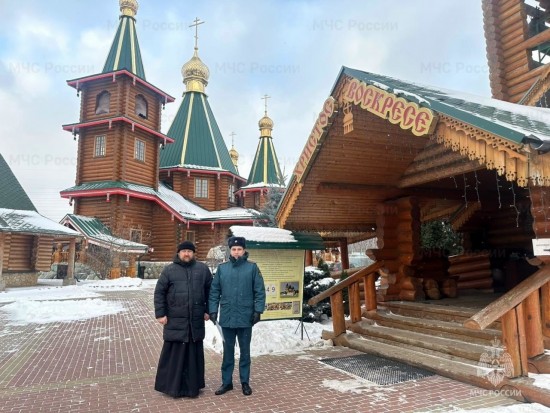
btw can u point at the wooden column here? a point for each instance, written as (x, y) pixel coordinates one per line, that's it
(514, 340)
(131, 271)
(2, 282)
(354, 302)
(308, 258)
(338, 320)
(115, 269)
(69, 279)
(533, 327)
(545, 303)
(344, 254)
(370, 292)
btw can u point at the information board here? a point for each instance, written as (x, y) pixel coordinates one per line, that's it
(283, 273)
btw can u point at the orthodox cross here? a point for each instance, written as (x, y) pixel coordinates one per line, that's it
(232, 134)
(265, 97)
(196, 23)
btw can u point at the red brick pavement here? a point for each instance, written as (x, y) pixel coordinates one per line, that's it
(108, 364)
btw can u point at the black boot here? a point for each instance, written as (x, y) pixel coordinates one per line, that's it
(247, 391)
(223, 389)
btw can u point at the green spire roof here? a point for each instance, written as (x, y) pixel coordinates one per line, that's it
(198, 140)
(125, 53)
(12, 194)
(265, 168)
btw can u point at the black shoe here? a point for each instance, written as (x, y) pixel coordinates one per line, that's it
(223, 389)
(247, 391)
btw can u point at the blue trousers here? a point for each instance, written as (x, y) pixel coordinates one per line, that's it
(244, 335)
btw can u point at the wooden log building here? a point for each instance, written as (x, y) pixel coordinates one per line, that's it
(386, 156)
(26, 237)
(146, 186)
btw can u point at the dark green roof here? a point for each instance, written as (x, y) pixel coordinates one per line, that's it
(97, 233)
(125, 53)
(198, 140)
(507, 120)
(265, 168)
(12, 194)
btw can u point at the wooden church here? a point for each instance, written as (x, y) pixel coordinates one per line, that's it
(416, 154)
(144, 186)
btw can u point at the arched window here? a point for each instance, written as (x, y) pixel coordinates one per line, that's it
(102, 103)
(141, 106)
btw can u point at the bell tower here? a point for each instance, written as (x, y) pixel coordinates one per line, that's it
(118, 133)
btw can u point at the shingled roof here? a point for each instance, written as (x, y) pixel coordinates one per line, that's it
(12, 194)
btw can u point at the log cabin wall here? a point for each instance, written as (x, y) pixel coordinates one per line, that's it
(7, 249)
(119, 162)
(166, 235)
(398, 233)
(122, 101)
(208, 203)
(43, 258)
(93, 168)
(510, 41)
(19, 253)
(133, 215)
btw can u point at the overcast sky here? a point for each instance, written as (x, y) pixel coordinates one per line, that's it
(290, 50)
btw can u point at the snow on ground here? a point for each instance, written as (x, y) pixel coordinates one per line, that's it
(515, 408)
(51, 302)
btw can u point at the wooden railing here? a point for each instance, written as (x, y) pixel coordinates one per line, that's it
(523, 323)
(368, 275)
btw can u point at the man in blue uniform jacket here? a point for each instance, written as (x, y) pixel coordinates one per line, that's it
(238, 290)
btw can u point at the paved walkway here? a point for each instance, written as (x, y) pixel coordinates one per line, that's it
(108, 364)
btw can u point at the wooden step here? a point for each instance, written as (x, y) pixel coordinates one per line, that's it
(427, 310)
(445, 329)
(448, 346)
(445, 365)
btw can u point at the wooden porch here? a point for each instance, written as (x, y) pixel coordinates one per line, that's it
(490, 340)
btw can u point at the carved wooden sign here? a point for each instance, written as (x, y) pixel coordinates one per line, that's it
(329, 108)
(388, 106)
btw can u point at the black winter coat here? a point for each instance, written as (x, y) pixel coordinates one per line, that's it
(181, 295)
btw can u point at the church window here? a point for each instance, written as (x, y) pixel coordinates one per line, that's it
(139, 150)
(231, 193)
(99, 149)
(141, 106)
(201, 188)
(102, 103)
(190, 236)
(136, 235)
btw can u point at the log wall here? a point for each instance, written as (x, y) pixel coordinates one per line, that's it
(473, 270)
(398, 233)
(509, 45)
(119, 162)
(19, 252)
(122, 101)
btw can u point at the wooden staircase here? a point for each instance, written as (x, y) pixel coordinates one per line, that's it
(424, 335)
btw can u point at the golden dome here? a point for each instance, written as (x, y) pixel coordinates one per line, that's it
(234, 155)
(266, 125)
(195, 74)
(128, 7)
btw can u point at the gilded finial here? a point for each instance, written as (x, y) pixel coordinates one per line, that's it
(233, 154)
(195, 73)
(128, 7)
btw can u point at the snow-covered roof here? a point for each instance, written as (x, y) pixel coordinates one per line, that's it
(187, 209)
(267, 237)
(507, 120)
(261, 185)
(98, 234)
(31, 222)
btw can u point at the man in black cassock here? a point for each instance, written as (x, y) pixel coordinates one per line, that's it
(181, 306)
